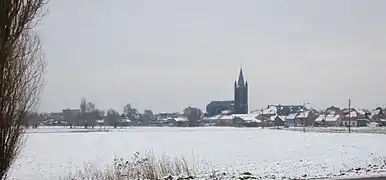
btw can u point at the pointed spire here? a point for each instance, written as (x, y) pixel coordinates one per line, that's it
(241, 78)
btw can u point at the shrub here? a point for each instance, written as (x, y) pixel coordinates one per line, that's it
(138, 167)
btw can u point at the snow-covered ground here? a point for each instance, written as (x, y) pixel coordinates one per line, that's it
(62, 129)
(378, 130)
(259, 151)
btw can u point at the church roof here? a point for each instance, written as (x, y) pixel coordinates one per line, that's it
(241, 77)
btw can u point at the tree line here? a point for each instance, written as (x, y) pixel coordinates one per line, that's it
(89, 114)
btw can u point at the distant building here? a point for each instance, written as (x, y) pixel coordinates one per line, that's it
(165, 116)
(238, 106)
(180, 121)
(56, 116)
(331, 119)
(216, 107)
(291, 115)
(72, 116)
(333, 110)
(238, 120)
(282, 110)
(355, 117)
(211, 120)
(279, 120)
(377, 114)
(241, 95)
(305, 118)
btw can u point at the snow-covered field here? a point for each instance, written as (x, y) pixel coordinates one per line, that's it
(378, 130)
(259, 151)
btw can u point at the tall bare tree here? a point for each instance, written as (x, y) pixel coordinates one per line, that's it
(130, 112)
(21, 70)
(112, 117)
(89, 113)
(193, 114)
(147, 116)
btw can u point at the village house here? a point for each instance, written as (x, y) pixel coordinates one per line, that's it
(271, 110)
(266, 121)
(210, 121)
(355, 118)
(225, 120)
(248, 120)
(239, 120)
(124, 122)
(179, 121)
(332, 116)
(333, 110)
(306, 118)
(279, 121)
(328, 120)
(290, 120)
(382, 122)
(378, 116)
(288, 114)
(164, 119)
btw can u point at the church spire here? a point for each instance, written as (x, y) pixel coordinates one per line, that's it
(241, 78)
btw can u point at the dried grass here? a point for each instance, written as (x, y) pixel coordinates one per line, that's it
(137, 167)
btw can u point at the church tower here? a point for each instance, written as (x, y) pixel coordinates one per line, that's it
(241, 95)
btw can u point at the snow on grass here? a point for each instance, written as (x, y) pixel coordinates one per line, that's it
(232, 150)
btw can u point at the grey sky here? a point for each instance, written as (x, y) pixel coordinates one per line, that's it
(167, 55)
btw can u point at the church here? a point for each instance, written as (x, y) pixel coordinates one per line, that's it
(241, 95)
(237, 106)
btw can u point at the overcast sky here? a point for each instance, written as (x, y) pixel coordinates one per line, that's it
(170, 54)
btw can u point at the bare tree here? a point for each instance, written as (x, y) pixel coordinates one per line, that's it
(193, 114)
(85, 112)
(130, 112)
(89, 113)
(21, 70)
(112, 117)
(147, 116)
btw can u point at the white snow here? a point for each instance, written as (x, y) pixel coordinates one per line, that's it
(320, 118)
(181, 119)
(226, 112)
(375, 112)
(248, 118)
(332, 117)
(291, 116)
(272, 118)
(342, 129)
(352, 114)
(270, 111)
(212, 117)
(303, 115)
(328, 118)
(260, 151)
(126, 120)
(361, 112)
(283, 118)
(100, 121)
(226, 117)
(245, 117)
